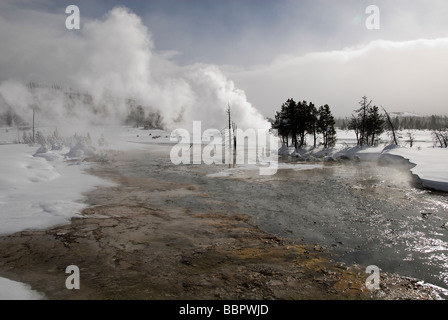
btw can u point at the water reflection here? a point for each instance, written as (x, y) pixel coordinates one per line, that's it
(365, 213)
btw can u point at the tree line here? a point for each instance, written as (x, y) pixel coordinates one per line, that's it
(406, 122)
(296, 120)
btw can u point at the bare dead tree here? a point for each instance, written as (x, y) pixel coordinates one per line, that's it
(441, 136)
(391, 125)
(411, 138)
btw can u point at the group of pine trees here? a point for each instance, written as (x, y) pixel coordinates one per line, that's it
(297, 119)
(368, 123)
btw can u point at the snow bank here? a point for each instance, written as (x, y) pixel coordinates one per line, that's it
(13, 290)
(40, 191)
(431, 165)
(39, 188)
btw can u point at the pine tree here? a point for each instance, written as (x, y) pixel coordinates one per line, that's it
(313, 121)
(301, 123)
(374, 125)
(283, 120)
(368, 124)
(325, 126)
(297, 119)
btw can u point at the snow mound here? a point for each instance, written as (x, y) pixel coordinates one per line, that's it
(430, 165)
(40, 191)
(80, 150)
(390, 147)
(13, 290)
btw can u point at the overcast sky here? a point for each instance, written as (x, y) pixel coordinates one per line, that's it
(312, 50)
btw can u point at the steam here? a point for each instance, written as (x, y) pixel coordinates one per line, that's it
(101, 67)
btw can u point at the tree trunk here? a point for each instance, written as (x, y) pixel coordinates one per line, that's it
(391, 126)
(438, 138)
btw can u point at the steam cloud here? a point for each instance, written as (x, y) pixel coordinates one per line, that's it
(112, 60)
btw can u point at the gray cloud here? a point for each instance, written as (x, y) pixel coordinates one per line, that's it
(247, 33)
(401, 76)
(168, 55)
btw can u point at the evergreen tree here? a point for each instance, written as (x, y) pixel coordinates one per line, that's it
(374, 125)
(355, 126)
(325, 126)
(297, 119)
(313, 121)
(292, 120)
(283, 121)
(302, 119)
(368, 124)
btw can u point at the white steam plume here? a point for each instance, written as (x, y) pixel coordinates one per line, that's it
(112, 59)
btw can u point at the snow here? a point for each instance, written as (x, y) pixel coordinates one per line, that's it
(40, 190)
(43, 186)
(13, 290)
(431, 165)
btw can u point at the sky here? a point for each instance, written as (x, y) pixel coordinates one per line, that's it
(252, 54)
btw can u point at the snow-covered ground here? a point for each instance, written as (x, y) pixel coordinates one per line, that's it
(431, 165)
(39, 190)
(42, 187)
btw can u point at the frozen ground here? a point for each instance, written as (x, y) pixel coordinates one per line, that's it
(40, 188)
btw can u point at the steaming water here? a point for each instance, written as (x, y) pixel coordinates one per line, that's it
(363, 213)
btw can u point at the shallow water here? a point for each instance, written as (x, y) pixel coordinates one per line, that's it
(363, 212)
